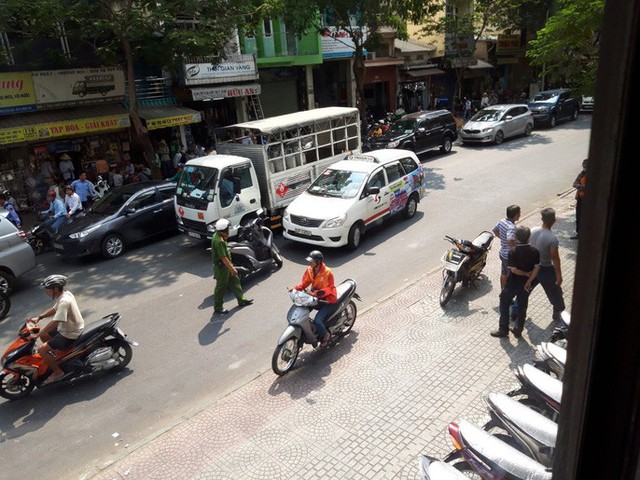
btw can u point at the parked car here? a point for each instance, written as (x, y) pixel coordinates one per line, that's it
(353, 195)
(494, 123)
(551, 106)
(16, 255)
(418, 132)
(125, 215)
(587, 103)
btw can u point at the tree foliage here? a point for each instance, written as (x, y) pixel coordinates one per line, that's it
(567, 48)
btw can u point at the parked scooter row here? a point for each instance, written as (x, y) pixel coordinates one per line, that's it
(518, 442)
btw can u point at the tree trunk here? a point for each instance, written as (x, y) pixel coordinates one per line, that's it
(359, 70)
(139, 131)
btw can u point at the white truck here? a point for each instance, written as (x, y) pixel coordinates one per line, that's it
(266, 163)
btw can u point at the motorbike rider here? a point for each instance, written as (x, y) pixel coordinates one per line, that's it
(65, 327)
(12, 215)
(318, 280)
(72, 201)
(56, 213)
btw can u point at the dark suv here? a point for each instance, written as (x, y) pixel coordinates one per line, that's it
(550, 106)
(419, 132)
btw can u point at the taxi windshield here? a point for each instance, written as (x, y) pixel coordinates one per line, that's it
(337, 183)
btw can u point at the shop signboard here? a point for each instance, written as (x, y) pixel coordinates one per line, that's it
(172, 121)
(337, 43)
(16, 93)
(63, 128)
(225, 91)
(67, 88)
(233, 68)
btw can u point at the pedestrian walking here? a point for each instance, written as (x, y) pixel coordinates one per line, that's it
(524, 264)
(224, 272)
(484, 102)
(84, 189)
(467, 108)
(580, 185)
(505, 230)
(550, 274)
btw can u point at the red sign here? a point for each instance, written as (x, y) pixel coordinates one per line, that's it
(181, 211)
(281, 190)
(200, 216)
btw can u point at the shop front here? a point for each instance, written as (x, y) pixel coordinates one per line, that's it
(170, 122)
(224, 92)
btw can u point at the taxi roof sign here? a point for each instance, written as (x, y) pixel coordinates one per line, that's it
(361, 157)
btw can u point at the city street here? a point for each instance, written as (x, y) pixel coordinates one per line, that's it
(188, 359)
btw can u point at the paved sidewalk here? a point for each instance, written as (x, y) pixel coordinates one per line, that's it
(367, 407)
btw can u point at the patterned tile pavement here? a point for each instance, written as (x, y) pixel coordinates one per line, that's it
(367, 407)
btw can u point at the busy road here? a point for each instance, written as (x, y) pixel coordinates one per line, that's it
(189, 358)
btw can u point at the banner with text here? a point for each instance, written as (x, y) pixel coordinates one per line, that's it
(16, 93)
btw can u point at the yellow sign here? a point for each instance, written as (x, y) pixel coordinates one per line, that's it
(16, 93)
(155, 123)
(44, 131)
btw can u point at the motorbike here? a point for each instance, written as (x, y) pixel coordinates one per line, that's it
(5, 304)
(538, 390)
(490, 457)
(534, 433)
(301, 330)
(433, 469)
(102, 346)
(560, 334)
(39, 237)
(552, 359)
(254, 250)
(463, 263)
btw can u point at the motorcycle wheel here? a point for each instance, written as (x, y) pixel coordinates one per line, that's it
(448, 284)
(14, 387)
(277, 258)
(284, 356)
(352, 312)
(122, 353)
(5, 304)
(38, 246)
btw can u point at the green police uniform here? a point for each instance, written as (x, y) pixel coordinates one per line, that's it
(224, 279)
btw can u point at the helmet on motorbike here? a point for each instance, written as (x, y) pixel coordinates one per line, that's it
(222, 224)
(54, 281)
(52, 193)
(315, 256)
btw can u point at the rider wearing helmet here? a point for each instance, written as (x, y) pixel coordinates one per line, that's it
(72, 201)
(224, 272)
(65, 327)
(318, 280)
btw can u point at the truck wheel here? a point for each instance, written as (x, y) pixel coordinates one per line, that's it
(355, 236)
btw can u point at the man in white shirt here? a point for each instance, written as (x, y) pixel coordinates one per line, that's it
(72, 201)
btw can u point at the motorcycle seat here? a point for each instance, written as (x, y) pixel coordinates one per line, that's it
(545, 383)
(343, 291)
(93, 328)
(483, 240)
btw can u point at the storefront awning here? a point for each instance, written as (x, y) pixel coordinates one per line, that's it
(168, 116)
(480, 64)
(423, 72)
(38, 126)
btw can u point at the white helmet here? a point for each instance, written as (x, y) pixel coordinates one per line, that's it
(222, 224)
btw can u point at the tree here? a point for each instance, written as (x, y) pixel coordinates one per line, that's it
(466, 21)
(363, 20)
(130, 32)
(567, 48)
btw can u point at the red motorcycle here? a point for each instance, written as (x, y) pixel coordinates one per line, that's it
(102, 346)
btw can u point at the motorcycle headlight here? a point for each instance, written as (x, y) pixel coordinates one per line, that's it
(336, 222)
(393, 144)
(86, 232)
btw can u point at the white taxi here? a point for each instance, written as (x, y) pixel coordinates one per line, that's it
(354, 194)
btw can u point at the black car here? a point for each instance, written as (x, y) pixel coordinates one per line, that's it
(550, 106)
(419, 132)
(123, 216)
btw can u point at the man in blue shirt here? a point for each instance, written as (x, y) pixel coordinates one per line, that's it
(56, 213)
(85, 190)
(12, 215)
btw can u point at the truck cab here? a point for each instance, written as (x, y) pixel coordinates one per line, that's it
(215, 187)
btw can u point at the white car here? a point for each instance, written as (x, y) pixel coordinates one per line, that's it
(354, 194)
(494, 123)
